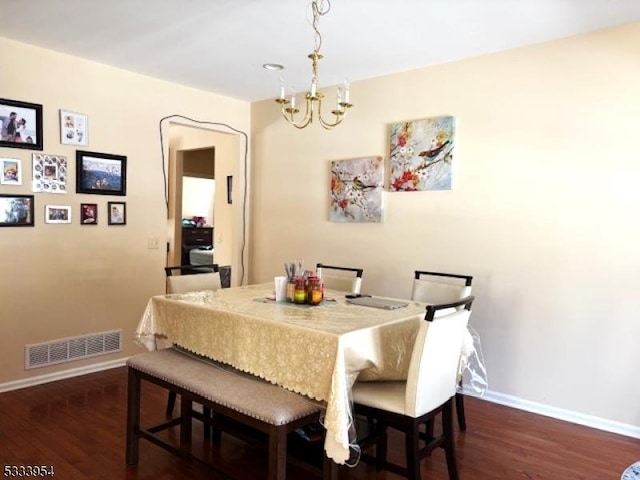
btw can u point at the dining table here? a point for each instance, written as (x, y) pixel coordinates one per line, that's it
(317, 351)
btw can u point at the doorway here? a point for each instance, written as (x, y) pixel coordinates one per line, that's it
(197, 153)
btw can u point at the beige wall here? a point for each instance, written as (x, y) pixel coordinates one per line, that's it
(66, 280)
(543, 213)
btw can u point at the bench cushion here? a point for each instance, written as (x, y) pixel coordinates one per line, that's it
(220, 384)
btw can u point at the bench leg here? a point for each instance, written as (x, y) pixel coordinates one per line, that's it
(133, 417)
(206, 413)
(329, 469)
(171, 403)
(185, 423)
(278, 453)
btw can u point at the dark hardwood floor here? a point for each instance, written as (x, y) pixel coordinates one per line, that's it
(78, 427)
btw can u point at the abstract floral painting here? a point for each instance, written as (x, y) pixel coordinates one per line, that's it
(356, 190)
(421, 154)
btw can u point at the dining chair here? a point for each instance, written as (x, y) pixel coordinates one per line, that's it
(438, 287)
(429, 390)
(338, 280)
(192, 278)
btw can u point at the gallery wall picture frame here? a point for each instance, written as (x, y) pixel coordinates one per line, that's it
(74, 128)
(229, 189)
(117, 212)
(20, 124)
(16, 210)
(57, 214)
(101, 173)
(88, 214)
(50, 173)
(10, 171)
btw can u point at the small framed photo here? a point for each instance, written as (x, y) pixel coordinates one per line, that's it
(117, 213)
(16, 210)
(10, 171)
(101, 173)
(74, 128)
(88, 213)
(57, 214)
(21, 124)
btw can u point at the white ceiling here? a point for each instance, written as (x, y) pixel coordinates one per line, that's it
(221, 45)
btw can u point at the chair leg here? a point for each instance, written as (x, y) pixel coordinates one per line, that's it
(133, 418)
(412, 447)
(381, 446)
(462, 423)
(428, 430)
(171, 403)
(449, 444)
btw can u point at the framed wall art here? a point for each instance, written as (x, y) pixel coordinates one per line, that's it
(10, 171)
(421, 154)
(356, 190)
(57, 214)
(88, 213)
(117, 212)
(74, 128)
(101, 173)
(21, 124)
(50, 173)
(16, 210)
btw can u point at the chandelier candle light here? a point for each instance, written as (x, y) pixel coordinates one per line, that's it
(313, 98)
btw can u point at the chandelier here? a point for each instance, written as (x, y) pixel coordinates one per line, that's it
(313, 98)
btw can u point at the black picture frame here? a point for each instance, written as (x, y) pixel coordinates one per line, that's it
(88, 214)
(16, 210)
(117, 213)
(229, 189)
(20, 124)
(101, 173)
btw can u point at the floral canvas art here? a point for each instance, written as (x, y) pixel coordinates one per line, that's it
(356, 190)
(421, 154)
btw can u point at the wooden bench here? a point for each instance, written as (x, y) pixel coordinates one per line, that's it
(228, 393)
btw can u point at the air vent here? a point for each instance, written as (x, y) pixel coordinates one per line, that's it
(72, 348)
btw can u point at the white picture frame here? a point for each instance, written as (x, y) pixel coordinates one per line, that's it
(10, 171)
(74, 128)
(57, 214)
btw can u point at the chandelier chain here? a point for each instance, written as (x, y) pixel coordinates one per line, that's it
(318, 8)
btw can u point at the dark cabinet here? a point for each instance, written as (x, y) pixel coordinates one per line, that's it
(195, 237)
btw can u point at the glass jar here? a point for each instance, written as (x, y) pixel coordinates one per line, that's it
(291, 289)
(300, 292)
(314, 291)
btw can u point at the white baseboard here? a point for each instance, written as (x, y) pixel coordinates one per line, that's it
(562, 414)
(52, 377)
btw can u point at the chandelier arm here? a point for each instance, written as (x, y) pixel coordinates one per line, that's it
(288, 115)
(328, 125)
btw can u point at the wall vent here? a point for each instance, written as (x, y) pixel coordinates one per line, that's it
(72, 348)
